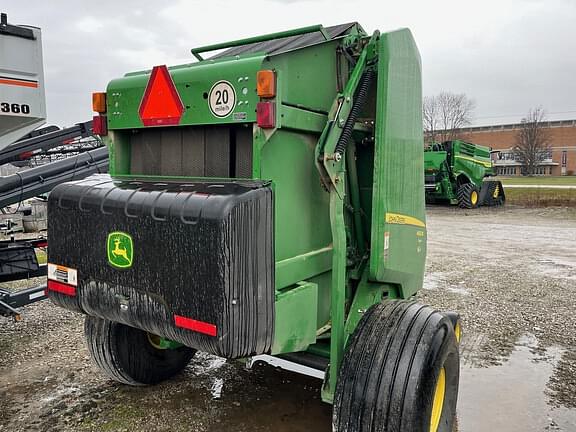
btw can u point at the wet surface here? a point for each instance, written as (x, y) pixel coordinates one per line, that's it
(512, 397)
(509, 273)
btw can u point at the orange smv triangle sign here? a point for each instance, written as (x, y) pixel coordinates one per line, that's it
(161, 104)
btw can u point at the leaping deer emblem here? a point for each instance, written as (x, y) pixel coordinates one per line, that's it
(118, 251)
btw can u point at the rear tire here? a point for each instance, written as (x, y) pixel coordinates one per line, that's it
(494, 195)
(128, 355)
(468, 196)
(400, 372)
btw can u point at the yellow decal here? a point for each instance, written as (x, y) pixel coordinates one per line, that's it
(399, 219)
(486, 164)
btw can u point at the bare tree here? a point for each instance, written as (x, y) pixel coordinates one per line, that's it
(532, 141)
(445, 114)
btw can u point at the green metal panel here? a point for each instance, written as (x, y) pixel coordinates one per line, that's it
(295, 316)
(193, 83)
(398, 213)
(433, 160)
(472, 160)
(296, 77)
(301, 205)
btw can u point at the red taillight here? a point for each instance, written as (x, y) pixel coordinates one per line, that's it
(61, 288)
(266, 115)
(99, 125)
(194, 325)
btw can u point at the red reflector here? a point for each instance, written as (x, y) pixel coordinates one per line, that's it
(100, 125)
(61, 288)
(26, 155)
(198, 326)
(266, 114)
(161, 104)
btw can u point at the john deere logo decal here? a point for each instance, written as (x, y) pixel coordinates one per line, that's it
(119, 248)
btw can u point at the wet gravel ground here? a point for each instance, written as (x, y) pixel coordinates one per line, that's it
(510, 272)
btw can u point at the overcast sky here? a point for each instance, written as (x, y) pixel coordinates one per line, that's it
(507, 55)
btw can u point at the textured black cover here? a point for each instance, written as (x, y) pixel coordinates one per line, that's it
(278, 46)
(204, 251)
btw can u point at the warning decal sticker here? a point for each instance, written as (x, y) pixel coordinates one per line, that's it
(222, 99)
(62, 274)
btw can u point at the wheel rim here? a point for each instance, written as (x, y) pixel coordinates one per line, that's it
(458, 331)
(155, 341)
(496, 192)
(474, 197)
(438, 401)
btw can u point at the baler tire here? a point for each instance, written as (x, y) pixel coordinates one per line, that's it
(127, 355)
(397, 359)
(465, 194)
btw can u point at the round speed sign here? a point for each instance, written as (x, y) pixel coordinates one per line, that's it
(222, 99)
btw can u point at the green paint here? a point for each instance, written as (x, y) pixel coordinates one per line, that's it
(465, 161)
(295, 335)
(120, 249)
(345, 236)
(398, 251)
(192, 81)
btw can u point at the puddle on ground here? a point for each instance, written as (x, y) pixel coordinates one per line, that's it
(458, 290)
(432, 280)
(557, 267)
(511, 397)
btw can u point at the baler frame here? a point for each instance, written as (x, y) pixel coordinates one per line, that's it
(334, 184)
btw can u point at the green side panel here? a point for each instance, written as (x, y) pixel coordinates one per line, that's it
(301, 205)
(433, 160)
(193, 83)
(295, 326)
(473, 160)
(471, 169)
(303, 85)
(398, 239)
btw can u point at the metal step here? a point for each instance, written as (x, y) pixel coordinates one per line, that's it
(303, 363)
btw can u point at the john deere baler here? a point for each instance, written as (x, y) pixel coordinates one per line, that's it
(268, 200)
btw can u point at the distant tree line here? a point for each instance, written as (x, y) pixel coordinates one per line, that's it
(446, 114)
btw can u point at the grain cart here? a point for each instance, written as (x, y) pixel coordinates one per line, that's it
(265, 201)
(458, 172)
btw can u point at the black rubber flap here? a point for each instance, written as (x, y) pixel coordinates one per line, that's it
(201, 258)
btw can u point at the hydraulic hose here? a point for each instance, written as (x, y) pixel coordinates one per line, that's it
(359, 102)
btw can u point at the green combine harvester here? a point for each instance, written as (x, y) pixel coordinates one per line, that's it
(267, 201)
(458, 172)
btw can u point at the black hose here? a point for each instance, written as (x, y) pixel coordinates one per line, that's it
(357, 106)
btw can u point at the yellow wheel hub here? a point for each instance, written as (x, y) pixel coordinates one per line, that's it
(438, 401)
(474, 197)
(496, 191)
(155, 341)
(458, 331)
